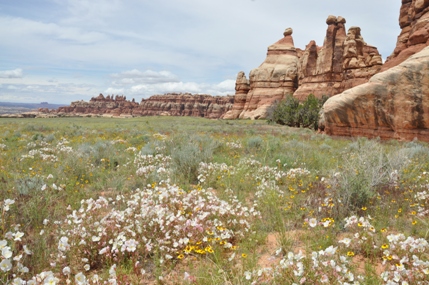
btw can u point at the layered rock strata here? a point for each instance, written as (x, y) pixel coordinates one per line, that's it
(100, 105)
(166, 105)
(414, 36)
(206, 106)
(344, 61)
(242, 87)
(394, 104)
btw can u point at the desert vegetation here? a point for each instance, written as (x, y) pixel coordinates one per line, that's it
(293, 113)
(180, 200)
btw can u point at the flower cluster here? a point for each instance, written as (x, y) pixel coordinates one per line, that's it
(211, 170)
(264, 177)
(234, 145)
(45, 151)
(13, 252)
(150, 165)
(406, 260)
(163, 220)
(324, 266)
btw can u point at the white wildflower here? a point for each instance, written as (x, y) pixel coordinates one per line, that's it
(18, 235)
(80, 279)
(7, 203)
(6, 252)
(5, 265)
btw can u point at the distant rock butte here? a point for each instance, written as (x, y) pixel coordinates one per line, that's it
(174, 104)
(206, 106)
(394, 104)
(344, 61)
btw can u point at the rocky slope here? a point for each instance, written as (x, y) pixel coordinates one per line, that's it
(393, 105)
(165, 105)
(344, 61)
(395, 102)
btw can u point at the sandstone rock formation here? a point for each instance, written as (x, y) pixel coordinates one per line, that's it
(271, 81)
(114, 106)
(206, 106)
(167, 105)
(414, 36)
(242, 87)
(394, 104)
(344, 61)
(321, 68)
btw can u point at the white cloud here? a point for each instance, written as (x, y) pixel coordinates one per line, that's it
(114, 91)
(94, 12)
(226, 85)
(147, 90)
(149, 82)
(15, 73)
(62, 93)
(143, 77)
(47, 32)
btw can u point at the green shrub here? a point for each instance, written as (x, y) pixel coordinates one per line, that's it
(255, 142)
(367, 167)
(29, 185)
(291, 112)
(309, 112)
(285, 112)
(187, 151)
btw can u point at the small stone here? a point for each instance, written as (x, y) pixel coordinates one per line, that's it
(288, 32)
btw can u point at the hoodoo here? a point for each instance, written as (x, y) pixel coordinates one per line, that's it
(272, 80)
(345, 60)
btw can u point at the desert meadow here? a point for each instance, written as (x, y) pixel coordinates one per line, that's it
(180, 200)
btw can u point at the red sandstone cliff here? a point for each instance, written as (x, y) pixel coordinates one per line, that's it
(414, 36)
(101, 105)
(167, 105)
(206, 106)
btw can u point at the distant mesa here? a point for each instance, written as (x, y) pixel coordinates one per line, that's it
(172, 104)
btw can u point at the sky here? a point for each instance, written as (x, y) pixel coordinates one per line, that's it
(59, 51)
